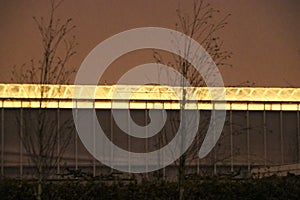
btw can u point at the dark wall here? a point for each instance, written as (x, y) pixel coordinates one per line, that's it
(245, 139)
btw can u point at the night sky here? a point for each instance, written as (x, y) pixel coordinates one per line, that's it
(264, 35)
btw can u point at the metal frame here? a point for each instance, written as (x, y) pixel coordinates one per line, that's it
(142, 97)
(150, 97)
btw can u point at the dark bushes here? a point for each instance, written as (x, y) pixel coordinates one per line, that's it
(204, 188)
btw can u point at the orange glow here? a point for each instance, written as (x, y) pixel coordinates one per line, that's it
(145, 97)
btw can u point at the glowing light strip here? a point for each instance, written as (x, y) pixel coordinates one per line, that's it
(145, 97)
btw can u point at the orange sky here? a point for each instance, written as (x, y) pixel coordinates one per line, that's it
(263, 34)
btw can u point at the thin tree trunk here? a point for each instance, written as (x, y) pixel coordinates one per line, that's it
(181, 177)
(39, 186)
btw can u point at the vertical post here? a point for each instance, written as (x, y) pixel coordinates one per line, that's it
(231, 138)
(94, 139)
(146, 140)
(58, 137)
(2, 139)
(158, 154)
(265, 134)
(281, 135)
(112, 136)
(129, 139)
(215, 149)
(76, 137)
(198, 159)
(162, 137)
(298, 134)
(21, 141)
(248, 138)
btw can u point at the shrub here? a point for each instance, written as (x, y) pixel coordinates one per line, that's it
(204, 188)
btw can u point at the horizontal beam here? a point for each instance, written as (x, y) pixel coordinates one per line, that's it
(11, 103)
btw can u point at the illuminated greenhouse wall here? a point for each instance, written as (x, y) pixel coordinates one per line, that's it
(261, 128)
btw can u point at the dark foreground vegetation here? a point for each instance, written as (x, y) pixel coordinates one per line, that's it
(199, 188)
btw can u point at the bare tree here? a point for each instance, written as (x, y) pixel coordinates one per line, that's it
(200, 25)
(44, 139)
